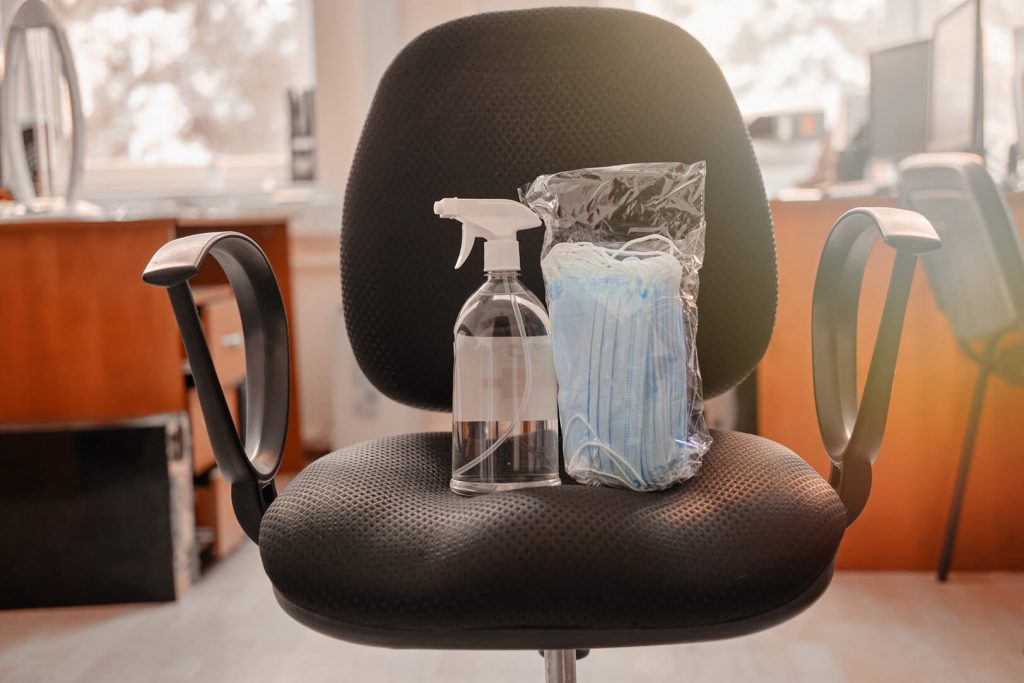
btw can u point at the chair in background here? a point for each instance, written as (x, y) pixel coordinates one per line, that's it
(368, 544)
(978, 280)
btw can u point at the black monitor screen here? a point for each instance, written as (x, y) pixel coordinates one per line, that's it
(953, 87)
(898, 123)
(1018, 84)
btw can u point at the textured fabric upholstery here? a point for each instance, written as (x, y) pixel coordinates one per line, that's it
(371, 536)
(479, 107)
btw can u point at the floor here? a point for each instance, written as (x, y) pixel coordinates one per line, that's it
(868, 627)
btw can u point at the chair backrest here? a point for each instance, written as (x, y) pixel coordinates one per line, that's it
(479, 107)
(978, 275)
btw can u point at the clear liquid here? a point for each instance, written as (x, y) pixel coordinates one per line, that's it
(529, 455)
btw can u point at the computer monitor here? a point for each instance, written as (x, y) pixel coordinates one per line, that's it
(898, 118)
(1018, 85)
(955, 122)
(999, 114)
(972, 101)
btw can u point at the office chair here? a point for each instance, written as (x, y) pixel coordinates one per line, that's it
(978, 280)
(368, 544)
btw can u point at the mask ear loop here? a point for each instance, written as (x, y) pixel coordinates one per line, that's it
(623, 464)
(628, 246)
(605, 473)
(597, 255)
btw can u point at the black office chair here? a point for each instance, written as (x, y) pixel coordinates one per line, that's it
(368, 544)
(978, 280)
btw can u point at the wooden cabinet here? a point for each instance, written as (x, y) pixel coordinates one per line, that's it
(223, 327)
(81, 337)
(217, 530)
(216, 526)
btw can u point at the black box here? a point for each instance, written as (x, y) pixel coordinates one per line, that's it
(96, 514)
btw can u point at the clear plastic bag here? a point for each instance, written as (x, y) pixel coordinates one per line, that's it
(622, 251)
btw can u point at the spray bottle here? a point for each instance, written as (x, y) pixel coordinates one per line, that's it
(504, 403)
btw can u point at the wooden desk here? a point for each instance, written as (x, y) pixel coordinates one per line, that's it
(83, 339)
(902, 526)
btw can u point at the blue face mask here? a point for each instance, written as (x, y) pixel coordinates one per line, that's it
(621, 352)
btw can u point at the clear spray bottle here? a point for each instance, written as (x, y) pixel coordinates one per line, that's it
(504, 403)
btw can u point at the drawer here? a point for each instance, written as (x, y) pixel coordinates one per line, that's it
(223, 327)
(202, 451)
(215, 519)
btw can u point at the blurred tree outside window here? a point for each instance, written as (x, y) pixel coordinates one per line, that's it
(170, 83)
(782, 54)
(802, 54)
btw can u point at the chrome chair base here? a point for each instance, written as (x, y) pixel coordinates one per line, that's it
(559, 666)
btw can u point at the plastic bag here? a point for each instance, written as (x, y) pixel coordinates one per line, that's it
(622, 251)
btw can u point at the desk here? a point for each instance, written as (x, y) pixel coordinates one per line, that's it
(82, 339)
(902, 526)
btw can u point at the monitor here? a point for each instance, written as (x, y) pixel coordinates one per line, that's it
(1018, 85)
(999, 120)
(898, 100)
(955, 116)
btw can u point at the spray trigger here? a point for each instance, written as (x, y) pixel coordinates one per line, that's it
(495, 220)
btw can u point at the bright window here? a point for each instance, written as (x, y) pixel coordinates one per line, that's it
(186, 84)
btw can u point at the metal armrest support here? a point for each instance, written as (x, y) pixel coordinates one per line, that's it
(249, 469)
(852, 434)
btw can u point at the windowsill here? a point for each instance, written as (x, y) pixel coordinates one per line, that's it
(308, 210)
(234, 188)
(111, 179)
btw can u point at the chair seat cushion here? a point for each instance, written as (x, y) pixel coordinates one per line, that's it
(368, 544)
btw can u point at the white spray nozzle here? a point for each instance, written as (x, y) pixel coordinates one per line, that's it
(497, 221)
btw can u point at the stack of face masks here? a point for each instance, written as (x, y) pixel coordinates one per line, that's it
(624, 318)
(621, 360)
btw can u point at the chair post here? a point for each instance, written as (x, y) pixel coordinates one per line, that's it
(977, 400)
(559, 666)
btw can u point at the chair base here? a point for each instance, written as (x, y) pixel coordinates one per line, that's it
(966, 454)
(555, 638)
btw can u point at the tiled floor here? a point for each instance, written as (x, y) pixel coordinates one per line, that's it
(868, 627)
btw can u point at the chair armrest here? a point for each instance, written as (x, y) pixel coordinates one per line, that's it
(248, 468)
(852, 433)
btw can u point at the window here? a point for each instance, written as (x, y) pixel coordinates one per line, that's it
(792, 54)
(187, 92)
(782, 54)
